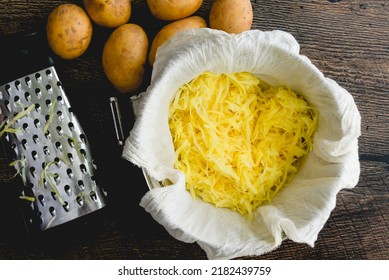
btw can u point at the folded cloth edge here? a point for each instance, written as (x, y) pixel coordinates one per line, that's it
(131, 152)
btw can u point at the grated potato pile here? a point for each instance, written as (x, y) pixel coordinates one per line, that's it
(237, 139)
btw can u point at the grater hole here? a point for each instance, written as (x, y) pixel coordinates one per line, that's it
(37, 123)
(48, 102)
(70, 156)
(52, 211)
(38, 92)
(93, 195)
(38, 77)
(83, 168)
(67, 189)
(27, 96)
(59, 115)
(59, 84)
(7, 104)
(69, 171)
(58, 145)
(16, 98)
(49, 88)
(71, 142)
(70, 110)
(54, 195)
(46, 150)
(38, 107)
(48, 135)
(7, 88)
(57, 162)
(34, 155)
(35, 138)
(81, 185)
(71, 126)
(80, 200)
(83, 137)
(24, 143)
(48, 73)
(83, 152)
(27, 80)
(59, 130)
(66, 206)
(25, 127)
(41, 199)
(60, 99)
(56, 178)
(17, 84)
(32, 171)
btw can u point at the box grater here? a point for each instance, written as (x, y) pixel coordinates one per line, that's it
(49, 151)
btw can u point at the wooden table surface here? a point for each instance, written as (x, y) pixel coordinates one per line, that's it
(348, 40)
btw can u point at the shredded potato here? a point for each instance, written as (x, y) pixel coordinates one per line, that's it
(237, 139)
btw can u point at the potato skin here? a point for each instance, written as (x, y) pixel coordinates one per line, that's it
(124, 57)
(109, 13)
(232, 16)
(173, 9)
(69, 31)
(171, 29)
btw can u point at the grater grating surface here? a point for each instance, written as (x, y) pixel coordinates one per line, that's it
(50, 150)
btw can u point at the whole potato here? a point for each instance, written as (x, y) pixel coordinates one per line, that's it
(171, 29)
(69, 31)
(124, 57)
(109, 13)
(232, 16)
(173, 9)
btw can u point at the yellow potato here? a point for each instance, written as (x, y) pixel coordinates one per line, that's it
(69, 31)
(124, 57)
(232, 16)
(109, 13)
(173, 9)
(173, 28)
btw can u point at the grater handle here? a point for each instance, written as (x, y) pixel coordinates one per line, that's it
(117, 120)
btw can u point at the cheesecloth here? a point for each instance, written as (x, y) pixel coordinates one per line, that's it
(299, 210)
